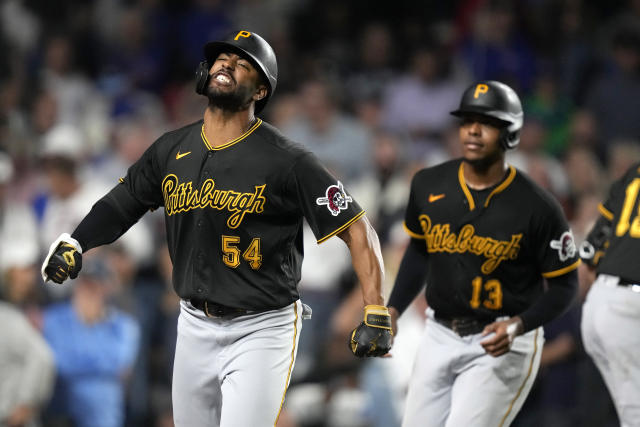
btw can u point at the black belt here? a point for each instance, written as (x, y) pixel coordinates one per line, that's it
(625, 282)
(464, 326)
(212, 309)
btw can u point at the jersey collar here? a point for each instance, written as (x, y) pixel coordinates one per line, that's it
(504, 184)
(233, 141)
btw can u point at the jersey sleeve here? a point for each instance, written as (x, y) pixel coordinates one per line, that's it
(556, 249)
(411, 217)
(594, 246)
(143, 179)
(324, 202)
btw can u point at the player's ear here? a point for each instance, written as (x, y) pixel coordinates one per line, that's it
(260, 92)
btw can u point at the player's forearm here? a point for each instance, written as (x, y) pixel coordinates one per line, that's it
(555, 301)
(366, 258)
(108, 219)
(411, 276)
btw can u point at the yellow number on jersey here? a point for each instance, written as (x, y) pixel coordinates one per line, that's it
(253, 255)
(630, 199)
(492, 287)
(231, 252)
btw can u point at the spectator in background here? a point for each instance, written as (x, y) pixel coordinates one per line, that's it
(382, 191)
(338, 140)
(26, 370)
(418, 101)
(78, 102)
(530, 157)
(95, 346)
(614, 97)
(495, 48)
(552, 109)
(19, 248)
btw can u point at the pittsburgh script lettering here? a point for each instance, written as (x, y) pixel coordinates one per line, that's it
(439, 238)
(182, 197)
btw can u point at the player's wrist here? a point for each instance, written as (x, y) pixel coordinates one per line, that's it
(377, 316)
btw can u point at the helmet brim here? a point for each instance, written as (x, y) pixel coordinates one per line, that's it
(508, 120)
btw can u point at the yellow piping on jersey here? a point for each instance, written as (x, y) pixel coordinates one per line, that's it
(503, 185)
(605, 212)
(233, 141)
(411, 233)
(293, 357)
(465, 189)
(561, 271)
(338, 230)
(498, 189)
(533, 356)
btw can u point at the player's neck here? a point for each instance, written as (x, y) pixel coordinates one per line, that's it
(222, 126)
(479, 177)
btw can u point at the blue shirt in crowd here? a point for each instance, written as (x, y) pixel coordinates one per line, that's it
(92, 361)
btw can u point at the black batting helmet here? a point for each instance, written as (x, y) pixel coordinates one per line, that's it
(494, 99)
(252, 47)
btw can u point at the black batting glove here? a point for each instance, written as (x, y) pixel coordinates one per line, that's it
(63, 261)
(373, 337)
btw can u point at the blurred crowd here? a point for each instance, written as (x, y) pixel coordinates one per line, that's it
(87, 85)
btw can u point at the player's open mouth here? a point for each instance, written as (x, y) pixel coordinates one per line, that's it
(223, 78)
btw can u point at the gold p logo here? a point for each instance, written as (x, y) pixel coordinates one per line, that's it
(245, 34)
(481, 88)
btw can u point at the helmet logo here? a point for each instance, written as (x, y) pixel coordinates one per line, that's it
(480, 88)
(245, 34)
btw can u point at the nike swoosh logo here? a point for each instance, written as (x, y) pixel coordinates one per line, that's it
(434, 197)
(181, 155)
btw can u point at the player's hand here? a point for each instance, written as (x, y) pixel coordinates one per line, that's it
(504, 332)
(63, 261)
(373, 337)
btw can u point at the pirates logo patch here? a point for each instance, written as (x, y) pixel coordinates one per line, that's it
(565, 246)
(336, 199)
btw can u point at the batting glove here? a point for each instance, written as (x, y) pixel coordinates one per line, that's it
(373, 337)
(63, 261)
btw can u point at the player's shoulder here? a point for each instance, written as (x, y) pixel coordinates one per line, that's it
(274, 140)
(179, 134)
(441, 172)
(532, 195)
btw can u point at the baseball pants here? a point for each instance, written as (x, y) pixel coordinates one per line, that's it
(233, 372)
(611, 335)
(455, 383)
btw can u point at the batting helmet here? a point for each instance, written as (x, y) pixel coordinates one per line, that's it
(494, 99)
(250, 46)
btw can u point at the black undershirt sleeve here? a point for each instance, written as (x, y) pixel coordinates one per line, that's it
(109, 218)
(411, 276)
(555, 301)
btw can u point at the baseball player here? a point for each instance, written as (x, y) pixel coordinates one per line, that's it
(611, 312)
(485, 238)
(234, 192)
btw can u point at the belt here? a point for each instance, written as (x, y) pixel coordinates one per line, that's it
(464, 326)
(634, 286)
(212, 309)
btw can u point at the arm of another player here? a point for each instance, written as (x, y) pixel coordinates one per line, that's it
(409, 281)
(373, 337)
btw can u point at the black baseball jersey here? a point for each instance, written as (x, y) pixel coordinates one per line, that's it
(488, 251)
(234, 212)
(617, 232)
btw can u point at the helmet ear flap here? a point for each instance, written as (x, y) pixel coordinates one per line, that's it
(202, 78)
(509, 140)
